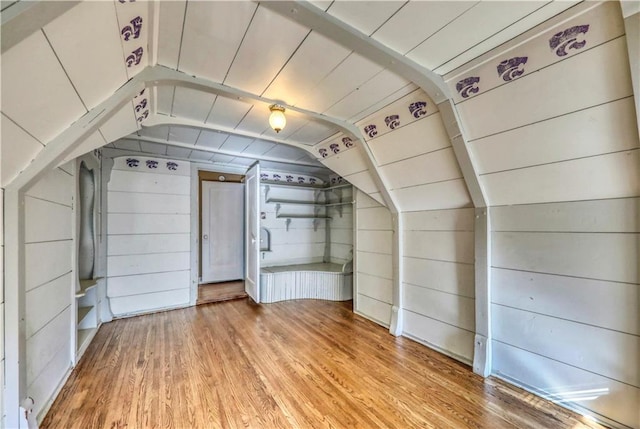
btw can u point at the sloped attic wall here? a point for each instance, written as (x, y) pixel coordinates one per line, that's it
(556, 143)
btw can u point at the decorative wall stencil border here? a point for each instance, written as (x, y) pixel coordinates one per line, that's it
(141, 105)
(335, 146)
(560, 41)
(335, 179)
(133, 23)
(404, 111)
(278, 176)
(151, 165)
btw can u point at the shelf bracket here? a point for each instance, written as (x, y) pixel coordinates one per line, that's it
(315, 224)
(278, 206)
(266, 192)
(287, 223)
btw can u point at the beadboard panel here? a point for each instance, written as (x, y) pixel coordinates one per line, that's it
(452, 309)
(147, 244)
(495, 111)
(149, 302)
(378, 311)
(41, 217)
(122, 202)
(58, 187)
(375, 287)
(451, 340)
(148, 223)
(613, 215)
(44, 303)
(598, 130)
(450, 277)
(45, 344)
(146, 264)
(437, 166)
(376, 264)
(598, 256)
(46, 261)
(586, 347)
(610, 305)
(146, 283)
(452, 246)
(434, 196)
(599, 177)
(565, 383)
(150, 183)
(374, 218)
(417, 138)
(375, 241)
(440, 220)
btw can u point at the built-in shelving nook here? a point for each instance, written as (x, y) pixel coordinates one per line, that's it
(310, 226)
(86, 294)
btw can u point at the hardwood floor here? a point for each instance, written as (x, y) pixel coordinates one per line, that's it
(215, 292)
(298, 364)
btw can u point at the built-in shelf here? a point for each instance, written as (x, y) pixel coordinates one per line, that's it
(302, 216)
(294, 202)
(82, 313)
(85, 285)
(84, 335)
(292, 185)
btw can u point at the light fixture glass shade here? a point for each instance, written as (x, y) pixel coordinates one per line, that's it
(277, 120)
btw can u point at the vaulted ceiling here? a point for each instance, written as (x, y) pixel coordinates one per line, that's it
(245, 56)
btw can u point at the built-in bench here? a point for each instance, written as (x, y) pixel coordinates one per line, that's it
(332, 282)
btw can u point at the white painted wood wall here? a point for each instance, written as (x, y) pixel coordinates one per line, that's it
(557, 154)
(50, 283)
(2, 386)
(148, 245)
(374, 273)
(341, 226)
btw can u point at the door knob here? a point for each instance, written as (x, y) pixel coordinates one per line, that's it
(205, 237)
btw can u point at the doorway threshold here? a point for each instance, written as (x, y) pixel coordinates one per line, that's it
(224, 291)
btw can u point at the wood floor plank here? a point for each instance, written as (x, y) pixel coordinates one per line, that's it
(292, 364)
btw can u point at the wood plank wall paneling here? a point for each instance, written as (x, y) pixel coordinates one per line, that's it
(148, 243)
(341, 226)
(416, 160)
(565, 301)
(49, 251)
(301, 244)
(1, 298)
(557, 153)
(374, 264)
(438, 275)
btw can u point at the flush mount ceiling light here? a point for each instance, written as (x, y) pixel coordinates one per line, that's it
(277, 120)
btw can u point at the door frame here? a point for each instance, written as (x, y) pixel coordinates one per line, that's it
(196, 217)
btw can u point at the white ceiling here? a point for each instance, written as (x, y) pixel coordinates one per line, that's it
(79, 59)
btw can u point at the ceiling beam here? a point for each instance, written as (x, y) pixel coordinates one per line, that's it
(317, 20)
(160, 119)
(220, 151)
(163, 76)
(22, 19)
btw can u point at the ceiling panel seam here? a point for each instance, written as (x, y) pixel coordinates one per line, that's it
(246, 31)
(489, 37)
(64, 69)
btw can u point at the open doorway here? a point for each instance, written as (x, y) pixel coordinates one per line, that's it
(221, 226)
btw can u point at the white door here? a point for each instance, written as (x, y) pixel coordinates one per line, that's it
(252, 205)
(222, 231)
